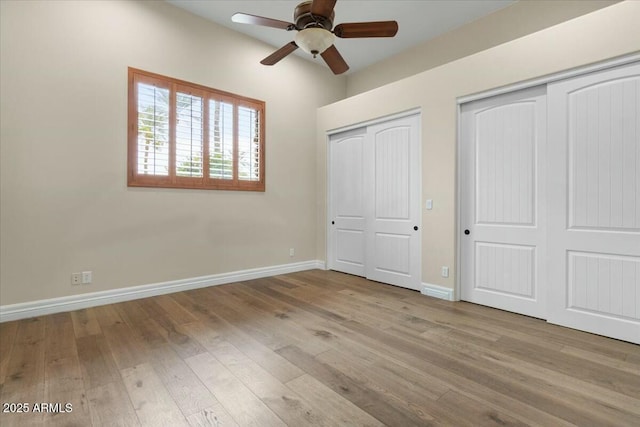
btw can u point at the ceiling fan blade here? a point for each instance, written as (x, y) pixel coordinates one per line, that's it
(245, 18)
(366, 29)
(279, 54)
(334, 60)
(322, 7)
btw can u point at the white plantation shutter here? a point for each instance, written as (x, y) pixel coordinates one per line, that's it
(189, 135)
(153, 130)
(220, 139)
(248, 144)
(183, 135)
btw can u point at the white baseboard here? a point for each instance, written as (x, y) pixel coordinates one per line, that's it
(437, 291)
(77, 302)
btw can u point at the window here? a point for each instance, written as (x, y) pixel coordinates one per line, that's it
(183, 135)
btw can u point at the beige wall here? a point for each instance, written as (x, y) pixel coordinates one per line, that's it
(517, 20)
(603, 34)
(65, 206)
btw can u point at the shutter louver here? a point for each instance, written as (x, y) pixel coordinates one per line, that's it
(153, 130)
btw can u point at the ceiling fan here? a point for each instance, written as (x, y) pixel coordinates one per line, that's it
(314, 23)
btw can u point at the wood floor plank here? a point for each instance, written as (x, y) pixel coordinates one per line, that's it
(558, 334)
(212, 327)
(339, 410)
(245, 408)
(273, 319)
(443, 317)
(214, 416)
(246, 322)
(320, 311)
(415, 400)
(336, 339)
(262, 327)
(389, 371)
(505, 381)
(289, 284)
(150, 333)
(174, 310)
(472, 413)
(297, 321)
(126, 348)
(622, 365)
(8, 332)
(109, 405)
(60, 340)
(131, 312)
(185, 388)
(151, 400)
(585, 388)
(171, 330)
(633, 358)
(288, 405)
(96, 361)
(351, 389)
(373, 305)
(539, 332)
(346, 310)
(576, 384)
(64, 383)
(24, 381)
(64, 388)
(605, 398)
(437, 379)
(106, 315)
(462, 377)
(85, 323)
(602, 376)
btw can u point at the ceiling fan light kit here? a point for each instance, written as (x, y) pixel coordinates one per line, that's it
(314, 23)
(314, 40)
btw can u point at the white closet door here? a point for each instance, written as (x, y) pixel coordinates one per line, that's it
(594, 239)
(374, 202)
(347, 202)
(393, 226)
(503, 212)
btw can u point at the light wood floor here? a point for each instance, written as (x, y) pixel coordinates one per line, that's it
(313, 348)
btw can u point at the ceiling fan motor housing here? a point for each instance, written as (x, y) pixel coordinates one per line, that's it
(304, 19)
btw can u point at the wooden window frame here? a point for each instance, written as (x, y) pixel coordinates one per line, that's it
(135, 179)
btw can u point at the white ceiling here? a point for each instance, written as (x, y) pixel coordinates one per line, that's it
(418, 21)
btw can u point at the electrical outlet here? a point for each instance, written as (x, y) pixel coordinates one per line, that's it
(87, 277)
(445, 271)
(76, 278)
(292, 251)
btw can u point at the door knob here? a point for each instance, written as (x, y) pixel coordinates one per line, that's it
(415, 227)
(333, 222)
(466, 232)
